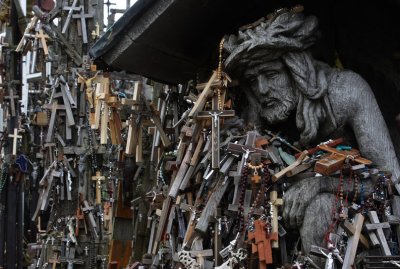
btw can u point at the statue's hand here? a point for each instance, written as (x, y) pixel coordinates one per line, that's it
(297, 199)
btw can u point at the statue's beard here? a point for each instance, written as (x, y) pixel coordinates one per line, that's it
(273, 109)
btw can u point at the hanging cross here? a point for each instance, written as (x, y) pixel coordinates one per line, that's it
(71, 10)
(262, 243)
(42, 37)
(11, 97)
(215, 115)
(82, 16)
(15, 137)
(98, 178)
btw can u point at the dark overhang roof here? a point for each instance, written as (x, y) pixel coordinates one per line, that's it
(173, 40)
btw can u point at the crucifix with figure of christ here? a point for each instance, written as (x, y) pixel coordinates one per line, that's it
(89, 88)
(215, 114)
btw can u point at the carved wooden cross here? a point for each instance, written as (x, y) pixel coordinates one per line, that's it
(354, 231)
(98, 178)
(275, 203)
(11, 97)
(215, 114)
(82, 16)
(262, 243)
(15, 137)
(378, 228)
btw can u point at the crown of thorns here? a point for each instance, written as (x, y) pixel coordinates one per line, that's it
(282, 32)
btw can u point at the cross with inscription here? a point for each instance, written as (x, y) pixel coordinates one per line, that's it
(15, 137)
(215, 114)
(82, 16)
(98, 178)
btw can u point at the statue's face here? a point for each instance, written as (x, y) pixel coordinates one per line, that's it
(272, 91)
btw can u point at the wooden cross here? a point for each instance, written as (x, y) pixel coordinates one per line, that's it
(98, 178)
(354, 232)
(215, 114)
(296, 163)
(12, 97)
(82, 16)
(378, 228)
(15, 137)
(70, 9)
(54, 107)
(275, 203)
(335, 160)
(262, 243)
(40, 35)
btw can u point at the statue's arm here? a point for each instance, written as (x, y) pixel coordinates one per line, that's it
(370, 128)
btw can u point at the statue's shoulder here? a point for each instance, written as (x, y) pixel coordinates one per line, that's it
(344, 79)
